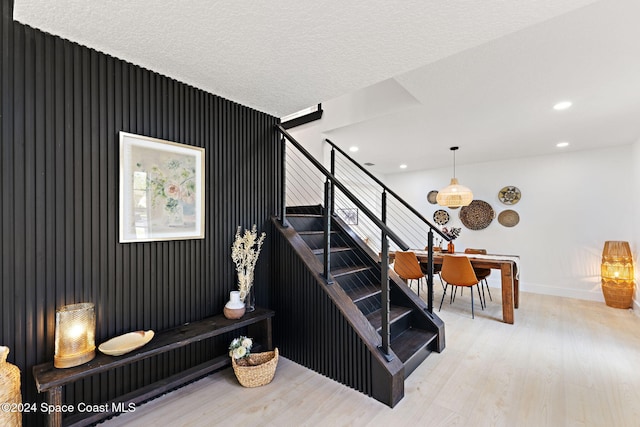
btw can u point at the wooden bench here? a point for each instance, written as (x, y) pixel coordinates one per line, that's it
(51, 380)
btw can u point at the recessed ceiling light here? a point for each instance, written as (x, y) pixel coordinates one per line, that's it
(562, 144)
(562, 105)
(403, 166)
(353, 149)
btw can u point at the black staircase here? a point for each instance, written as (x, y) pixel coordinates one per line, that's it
(357, 271)
(340, 310)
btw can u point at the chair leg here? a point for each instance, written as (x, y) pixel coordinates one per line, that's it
(472, 315)
(481, 297)
(443, 295)
(488, 291)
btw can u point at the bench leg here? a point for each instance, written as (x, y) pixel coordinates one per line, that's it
(54, 398)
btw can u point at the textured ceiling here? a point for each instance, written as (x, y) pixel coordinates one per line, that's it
(403, 80)
(277, 56)
(495, 100)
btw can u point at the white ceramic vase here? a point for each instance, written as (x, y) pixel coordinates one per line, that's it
(234, 308)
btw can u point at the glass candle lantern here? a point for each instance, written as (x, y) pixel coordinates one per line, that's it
(617, 274)
(75, 335)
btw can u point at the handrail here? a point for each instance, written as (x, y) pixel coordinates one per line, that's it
(393, 236)
(388, 190)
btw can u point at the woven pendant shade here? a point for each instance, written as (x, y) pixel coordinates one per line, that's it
(454, 195)
(617, 274)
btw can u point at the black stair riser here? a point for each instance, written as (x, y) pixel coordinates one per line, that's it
(341, 259)
(398, 326)
(316, 240)
(354, 280)
(306, 223)
(415, 360)
(369, 305)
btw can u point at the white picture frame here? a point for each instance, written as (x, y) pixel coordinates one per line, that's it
(161, 190)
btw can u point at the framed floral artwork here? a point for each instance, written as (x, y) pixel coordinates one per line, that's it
(161, 190)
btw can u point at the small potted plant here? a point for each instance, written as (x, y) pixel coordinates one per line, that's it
(452, 233)
(252, 369)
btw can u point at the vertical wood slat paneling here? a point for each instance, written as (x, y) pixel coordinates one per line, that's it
(310, 329)
(62, 108)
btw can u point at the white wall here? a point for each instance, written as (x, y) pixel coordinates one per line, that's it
(572, 202)
(635, 240)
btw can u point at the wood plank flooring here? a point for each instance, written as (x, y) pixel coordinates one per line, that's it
(565, 362)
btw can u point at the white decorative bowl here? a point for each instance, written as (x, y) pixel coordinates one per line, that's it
(125, 343)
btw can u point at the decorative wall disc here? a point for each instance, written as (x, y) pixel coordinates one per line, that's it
(477, 216)
(431, 197)
(441, 217)
(509, 195)
(509, 218)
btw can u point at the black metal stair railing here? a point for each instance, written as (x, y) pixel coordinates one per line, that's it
(306, 181)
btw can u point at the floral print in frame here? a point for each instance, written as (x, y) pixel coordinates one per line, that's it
(161, 190)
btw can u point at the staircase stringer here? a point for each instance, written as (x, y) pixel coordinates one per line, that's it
(318, 326)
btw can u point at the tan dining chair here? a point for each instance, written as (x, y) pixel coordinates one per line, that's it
(437, 268)
(458, 272)
(407, 266)
(481, 273)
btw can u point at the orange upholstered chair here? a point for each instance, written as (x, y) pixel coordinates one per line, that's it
(457, 271)
(436, 267)
(407, 266)
(481, 273)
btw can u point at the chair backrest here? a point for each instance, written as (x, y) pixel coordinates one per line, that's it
(407, 266)
(458, 271)
(475, 251)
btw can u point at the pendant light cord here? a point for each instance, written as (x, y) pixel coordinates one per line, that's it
(454, 160)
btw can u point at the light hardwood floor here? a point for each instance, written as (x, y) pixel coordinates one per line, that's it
(565, 362)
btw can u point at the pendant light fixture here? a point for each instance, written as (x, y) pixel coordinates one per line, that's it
(454, 195)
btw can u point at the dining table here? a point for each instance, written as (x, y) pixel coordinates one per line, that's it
(509, 271)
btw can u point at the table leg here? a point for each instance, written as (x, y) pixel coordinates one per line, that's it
(507, 293)
(516, 292)
(54, 398)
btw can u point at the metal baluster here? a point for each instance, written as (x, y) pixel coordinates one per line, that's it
(327, 231)
(283, 183)
(430, 271)
(384, 278)
(333, 172)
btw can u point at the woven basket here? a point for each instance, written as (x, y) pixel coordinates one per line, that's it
(258, 370)
(9, 390)
(618, 294)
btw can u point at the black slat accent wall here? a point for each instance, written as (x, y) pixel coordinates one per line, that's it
(62, 108)
(309, 329)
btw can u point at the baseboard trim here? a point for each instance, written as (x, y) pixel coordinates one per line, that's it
(595, 295)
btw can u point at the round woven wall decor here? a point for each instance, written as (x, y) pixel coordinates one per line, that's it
(441, 217)
(509, 195)
(431, 197)
(509, 218)
(477, 216)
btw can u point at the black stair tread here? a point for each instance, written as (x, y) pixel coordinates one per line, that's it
(333, 249)
(395, 313)
(348, 270)
(305, 215)
(410, 341)
(311, 232)
(363, 291)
